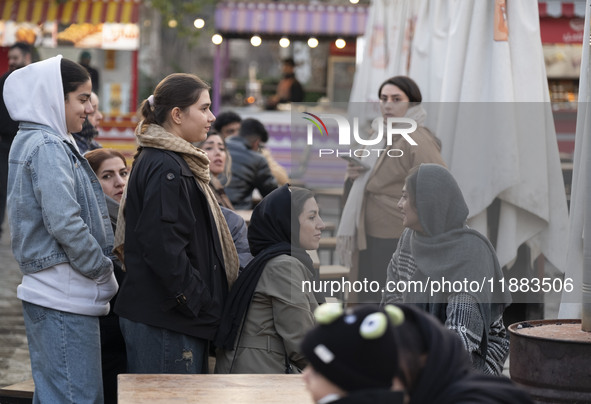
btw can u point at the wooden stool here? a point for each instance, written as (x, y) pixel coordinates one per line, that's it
(336, 273)
(329, 244)
(330, 227)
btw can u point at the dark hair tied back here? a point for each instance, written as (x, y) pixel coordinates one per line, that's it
(176, 90)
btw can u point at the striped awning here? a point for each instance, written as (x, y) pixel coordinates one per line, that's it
(241, 19)
(73, 11)
(559, 8)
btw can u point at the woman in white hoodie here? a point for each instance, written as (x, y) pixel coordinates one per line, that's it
(60, 229)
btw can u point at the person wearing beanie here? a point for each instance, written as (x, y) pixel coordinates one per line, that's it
(250, 169)
(397, 354)
(353, 355)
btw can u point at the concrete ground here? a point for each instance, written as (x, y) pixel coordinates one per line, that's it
(15, 365)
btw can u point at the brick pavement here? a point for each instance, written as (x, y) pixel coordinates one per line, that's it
(15, 365)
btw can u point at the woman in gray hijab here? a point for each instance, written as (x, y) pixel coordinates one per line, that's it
(448, 269)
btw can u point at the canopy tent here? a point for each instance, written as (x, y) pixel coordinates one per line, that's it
(244, 19)
(458, 64)
(73, 11)
(578, 303)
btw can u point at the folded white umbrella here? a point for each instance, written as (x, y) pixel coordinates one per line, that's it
(578, 264)
(494, 118)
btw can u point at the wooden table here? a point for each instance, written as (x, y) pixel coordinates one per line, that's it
(18, 393)
(218, 389)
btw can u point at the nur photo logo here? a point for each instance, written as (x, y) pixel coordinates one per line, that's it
(348, 133)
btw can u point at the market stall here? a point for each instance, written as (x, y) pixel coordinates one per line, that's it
(310, 23)
(330, 64)
(107, 29)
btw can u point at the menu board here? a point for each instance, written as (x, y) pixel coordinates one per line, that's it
(12, 32)
(85, 35)
(103, 36)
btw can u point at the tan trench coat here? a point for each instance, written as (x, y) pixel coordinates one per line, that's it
(279, 316)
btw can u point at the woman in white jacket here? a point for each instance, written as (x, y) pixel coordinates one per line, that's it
(60, 229)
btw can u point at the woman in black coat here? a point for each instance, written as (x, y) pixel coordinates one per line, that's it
(178, 251)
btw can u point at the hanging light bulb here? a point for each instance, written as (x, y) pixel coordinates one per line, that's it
(199, 23)
(340, 43)
(312, 42)
(284, 42)
(172, 23)
(353, 1)
(256, 40)
(217, 39)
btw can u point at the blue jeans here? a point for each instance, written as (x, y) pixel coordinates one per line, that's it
(65, 355)
(158, 350)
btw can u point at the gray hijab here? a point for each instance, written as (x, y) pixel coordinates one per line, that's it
(448, 249)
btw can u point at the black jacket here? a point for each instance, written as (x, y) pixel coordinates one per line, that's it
(175, 275)
(250, 170)
(8, 127)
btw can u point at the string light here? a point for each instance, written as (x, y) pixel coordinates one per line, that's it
(284, 42)
(312, 42)
(199, 23)
(217, 39)
(256, 40)
(340, 43)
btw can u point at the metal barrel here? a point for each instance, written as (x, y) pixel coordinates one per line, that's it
(551, 359)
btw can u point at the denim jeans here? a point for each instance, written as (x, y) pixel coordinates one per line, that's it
(158, 350)
(65, 355)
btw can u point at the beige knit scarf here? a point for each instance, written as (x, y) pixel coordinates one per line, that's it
(155, 136)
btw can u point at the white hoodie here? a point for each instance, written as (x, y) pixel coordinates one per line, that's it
(34, 94)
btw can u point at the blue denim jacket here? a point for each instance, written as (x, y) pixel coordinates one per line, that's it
(56, 205)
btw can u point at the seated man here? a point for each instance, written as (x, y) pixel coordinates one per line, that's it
(227, 124)
(250, 169)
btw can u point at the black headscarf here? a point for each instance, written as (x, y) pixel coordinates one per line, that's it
(447, 376)
(269, 235)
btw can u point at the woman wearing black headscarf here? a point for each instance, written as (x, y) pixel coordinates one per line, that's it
(434, 367)
(268, 311)
(436, 247)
